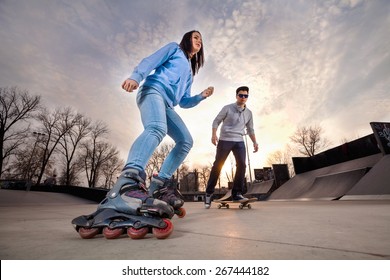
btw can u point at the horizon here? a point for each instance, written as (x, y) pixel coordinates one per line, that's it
(306, 63)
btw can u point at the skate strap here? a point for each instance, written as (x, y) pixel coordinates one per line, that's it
(159, 192)
(129, 187)
(134, 176)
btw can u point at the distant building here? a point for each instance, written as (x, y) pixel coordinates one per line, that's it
(190, 183)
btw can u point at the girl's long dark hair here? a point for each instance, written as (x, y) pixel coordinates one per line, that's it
(197, 60)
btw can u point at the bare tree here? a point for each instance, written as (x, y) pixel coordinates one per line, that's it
(94, 153)
(16, 106)
(309, 140)
(156, 160)
(28, 158)
(70, 144)
(97, 163)
(111, 169)
(276, 158)
(282, 157)
(204, 174)
(182, 171)
(54, 126)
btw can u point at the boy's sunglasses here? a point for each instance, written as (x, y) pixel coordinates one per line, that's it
(243, 95)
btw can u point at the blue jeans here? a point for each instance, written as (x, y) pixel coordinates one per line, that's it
(158, 120)
(223, 150)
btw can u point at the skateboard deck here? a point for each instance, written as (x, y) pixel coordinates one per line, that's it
(225, 203)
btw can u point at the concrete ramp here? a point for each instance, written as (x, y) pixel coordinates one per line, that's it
(333, 186)
(261, 188)
(25, 198)
(227, 196)
(297, 186)
(375, 184)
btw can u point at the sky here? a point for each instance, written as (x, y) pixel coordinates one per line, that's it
(306, 62)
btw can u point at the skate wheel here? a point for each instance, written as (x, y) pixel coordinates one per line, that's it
(87, 233)
(181, 212)
(241, 206)
(162, 233)
(139, 233)
(112, 233)
(249, 206)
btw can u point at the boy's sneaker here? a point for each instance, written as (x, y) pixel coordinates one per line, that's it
(207, 200)
(239, 198)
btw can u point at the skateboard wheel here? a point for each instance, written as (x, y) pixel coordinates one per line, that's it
(249, 206)
(219, 206)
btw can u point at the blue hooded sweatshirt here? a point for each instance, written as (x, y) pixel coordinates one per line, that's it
(172, 76)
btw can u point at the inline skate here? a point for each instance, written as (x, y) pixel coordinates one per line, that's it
(127, 207)
(167, 190)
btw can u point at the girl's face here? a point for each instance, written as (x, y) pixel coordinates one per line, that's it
(196, 42)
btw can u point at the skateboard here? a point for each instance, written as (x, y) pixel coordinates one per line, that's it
(225, 203)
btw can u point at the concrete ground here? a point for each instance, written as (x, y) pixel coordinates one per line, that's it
(37, 226)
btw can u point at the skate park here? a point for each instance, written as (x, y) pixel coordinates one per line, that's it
(337, 211)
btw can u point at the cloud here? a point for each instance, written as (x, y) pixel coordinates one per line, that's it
(305, 61)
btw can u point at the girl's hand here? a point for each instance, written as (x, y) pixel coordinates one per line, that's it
(208, 92)
(129, 85)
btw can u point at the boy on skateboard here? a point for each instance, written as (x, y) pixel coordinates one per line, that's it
(235, 118)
